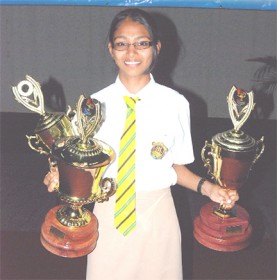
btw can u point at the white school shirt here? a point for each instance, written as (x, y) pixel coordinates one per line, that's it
(162, 116)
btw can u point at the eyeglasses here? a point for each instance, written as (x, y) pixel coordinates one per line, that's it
(124, 46)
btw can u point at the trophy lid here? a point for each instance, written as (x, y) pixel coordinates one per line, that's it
(240, 104)
(84, 151)
(73, 151)
(235, 141)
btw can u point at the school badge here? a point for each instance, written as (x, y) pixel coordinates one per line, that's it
(158, 150)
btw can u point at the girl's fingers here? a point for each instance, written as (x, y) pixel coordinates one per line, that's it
(46, 179)
(53, 185)
(51, 180)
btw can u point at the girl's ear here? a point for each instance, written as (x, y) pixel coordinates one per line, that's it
(110, 48)
(158, 46)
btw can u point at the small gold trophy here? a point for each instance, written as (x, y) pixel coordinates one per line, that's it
(229, 159)
(70, 230)
(51, 126)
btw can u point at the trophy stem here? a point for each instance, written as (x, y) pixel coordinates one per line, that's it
(73, 216)
(224, 213)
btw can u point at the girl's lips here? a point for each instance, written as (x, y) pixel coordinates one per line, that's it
(132, 62)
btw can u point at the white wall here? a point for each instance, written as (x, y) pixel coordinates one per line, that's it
(206, 51)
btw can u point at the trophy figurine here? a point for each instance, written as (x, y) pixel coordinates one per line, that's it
(69, 229)
(229, 159)
(51, 126)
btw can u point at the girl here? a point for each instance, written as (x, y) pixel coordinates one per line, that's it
(150, 245)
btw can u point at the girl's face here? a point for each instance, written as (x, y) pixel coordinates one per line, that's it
(132, 63)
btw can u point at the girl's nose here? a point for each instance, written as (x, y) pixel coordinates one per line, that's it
(131, 49)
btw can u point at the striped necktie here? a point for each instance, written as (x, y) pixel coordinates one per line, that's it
(125, 206)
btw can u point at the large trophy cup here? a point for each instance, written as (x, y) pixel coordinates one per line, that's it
(69, 229)
(229, 159)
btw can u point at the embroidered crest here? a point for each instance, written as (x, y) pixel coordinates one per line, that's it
(158, 150)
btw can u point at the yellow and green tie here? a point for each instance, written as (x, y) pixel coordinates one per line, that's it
(125, 206)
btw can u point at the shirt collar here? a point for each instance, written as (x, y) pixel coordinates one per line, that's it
(143, 92)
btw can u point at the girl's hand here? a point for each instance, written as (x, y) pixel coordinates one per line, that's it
(51, 180)
(225, 197)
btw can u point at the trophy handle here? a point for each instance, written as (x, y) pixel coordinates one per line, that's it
(108, 186)
(102, 188)
(205, 159)
(35, 142)
(259, 151)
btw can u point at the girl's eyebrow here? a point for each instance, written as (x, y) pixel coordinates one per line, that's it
(126, 38)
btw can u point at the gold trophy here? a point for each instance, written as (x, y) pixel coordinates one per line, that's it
(229, 159)
(51, 126)
(70, 230)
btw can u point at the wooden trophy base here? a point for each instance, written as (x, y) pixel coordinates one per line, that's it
(70, 242)
(223, 234)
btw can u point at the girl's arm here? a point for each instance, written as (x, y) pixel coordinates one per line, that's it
(188, 179)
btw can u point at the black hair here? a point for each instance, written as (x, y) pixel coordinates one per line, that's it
(142, 17)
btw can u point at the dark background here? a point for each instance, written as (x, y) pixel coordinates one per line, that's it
(25, 202)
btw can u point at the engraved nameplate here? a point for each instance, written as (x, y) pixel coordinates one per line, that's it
(234, 229)
(57, 232)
